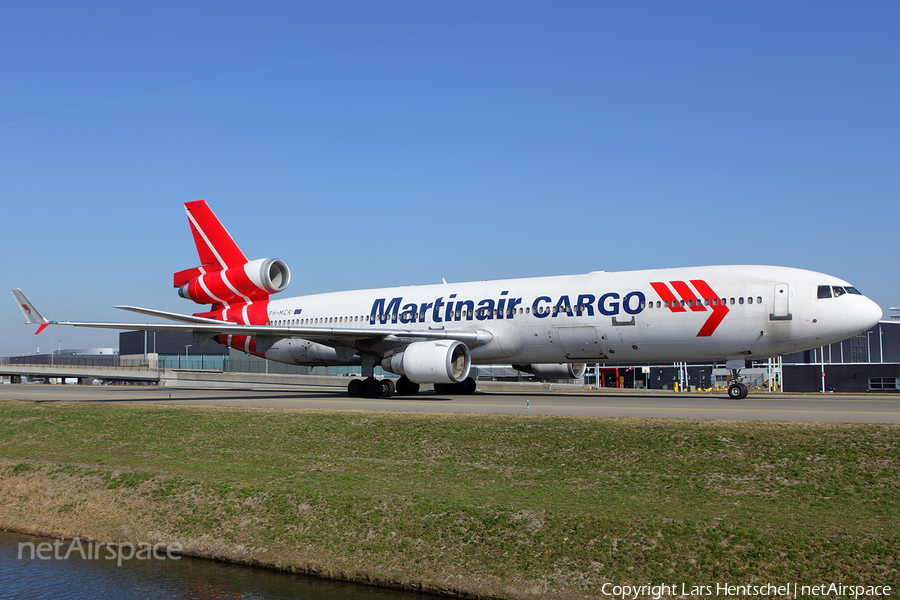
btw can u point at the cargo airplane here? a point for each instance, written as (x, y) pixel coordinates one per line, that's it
(548, 326)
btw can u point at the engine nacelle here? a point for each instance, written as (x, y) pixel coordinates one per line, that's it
(256, 278)
(553, 371)
(441, 361)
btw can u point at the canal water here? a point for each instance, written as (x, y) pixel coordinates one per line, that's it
(99, 577)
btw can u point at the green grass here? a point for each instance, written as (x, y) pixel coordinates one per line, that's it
(507, 505)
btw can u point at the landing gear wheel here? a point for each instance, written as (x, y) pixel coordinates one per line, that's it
(468, 386)
(405, 387)
(372, 388)
(387, 388)
(355, 388)
(737, 391)
(443, 388)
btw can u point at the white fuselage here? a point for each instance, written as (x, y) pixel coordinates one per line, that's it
(713, 313)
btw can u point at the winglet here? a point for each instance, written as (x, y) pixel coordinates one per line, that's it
(31, 313)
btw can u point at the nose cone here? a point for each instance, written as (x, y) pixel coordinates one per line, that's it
(869, 314)
(862, 316)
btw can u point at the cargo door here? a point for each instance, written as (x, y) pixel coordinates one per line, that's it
(579, 342)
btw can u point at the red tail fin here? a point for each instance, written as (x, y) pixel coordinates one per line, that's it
(215, 245)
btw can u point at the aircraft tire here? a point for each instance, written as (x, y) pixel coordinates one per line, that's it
(443, 388)
(372, 388)
(736, 391)
(405, 387)
(387, 388)
(468, 386)
(744, 390)
(355, 388)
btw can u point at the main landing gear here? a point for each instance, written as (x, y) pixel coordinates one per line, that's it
(370, 388)
(381, 388)
(464, 387)
(384, 388)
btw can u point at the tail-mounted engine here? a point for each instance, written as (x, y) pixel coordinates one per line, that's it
(253, 280)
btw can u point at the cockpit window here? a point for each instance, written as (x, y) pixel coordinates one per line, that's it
(838, 291)
(852, 290)
(824, 291)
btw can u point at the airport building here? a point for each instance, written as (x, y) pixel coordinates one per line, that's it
(866, 362)
(869, 362)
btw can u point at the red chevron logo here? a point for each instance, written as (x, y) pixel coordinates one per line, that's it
(708, 300)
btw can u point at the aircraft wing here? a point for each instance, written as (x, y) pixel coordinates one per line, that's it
(330, 336)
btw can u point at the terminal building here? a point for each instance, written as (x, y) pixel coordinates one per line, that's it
(866, 362)
(869, 362)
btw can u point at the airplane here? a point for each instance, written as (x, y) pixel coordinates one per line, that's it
(548, 326)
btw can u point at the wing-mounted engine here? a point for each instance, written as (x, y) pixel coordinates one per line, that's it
(252, 280)
(553, 371)
(441, 361)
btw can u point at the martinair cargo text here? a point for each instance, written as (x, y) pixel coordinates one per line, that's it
(549, 326)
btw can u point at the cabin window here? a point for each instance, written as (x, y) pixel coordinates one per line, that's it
(732, 301)
(824, 291)
(741, 300)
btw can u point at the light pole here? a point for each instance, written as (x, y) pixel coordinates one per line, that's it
(869, 346)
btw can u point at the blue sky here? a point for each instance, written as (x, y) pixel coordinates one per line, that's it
(392, 143)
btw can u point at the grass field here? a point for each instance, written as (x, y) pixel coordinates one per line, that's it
(498, 506)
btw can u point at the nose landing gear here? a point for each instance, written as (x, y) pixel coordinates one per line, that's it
(737, 390)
